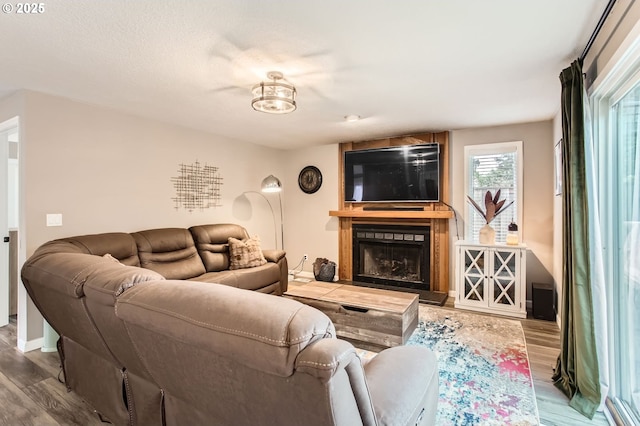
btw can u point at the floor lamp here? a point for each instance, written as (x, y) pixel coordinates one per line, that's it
(272, 184)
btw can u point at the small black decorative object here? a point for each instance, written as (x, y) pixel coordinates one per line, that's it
(310, 179)
(324, 269)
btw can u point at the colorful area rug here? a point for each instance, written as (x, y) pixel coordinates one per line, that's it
(483, 366)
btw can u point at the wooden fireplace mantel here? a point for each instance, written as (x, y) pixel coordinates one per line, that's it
(393, 214)
(434, 215)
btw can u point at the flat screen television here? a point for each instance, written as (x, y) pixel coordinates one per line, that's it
(393, 174)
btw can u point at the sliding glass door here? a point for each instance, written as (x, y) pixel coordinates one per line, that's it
(617, 151)
(625, 115)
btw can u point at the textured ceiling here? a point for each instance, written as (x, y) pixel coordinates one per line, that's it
(404, 67)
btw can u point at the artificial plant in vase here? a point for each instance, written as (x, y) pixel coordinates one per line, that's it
(493, 207)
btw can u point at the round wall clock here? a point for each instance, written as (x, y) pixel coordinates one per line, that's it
(310, 179)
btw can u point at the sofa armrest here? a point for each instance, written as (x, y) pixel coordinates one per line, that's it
(403, 383)
(325, 357)
(273, 255)
(279, 258)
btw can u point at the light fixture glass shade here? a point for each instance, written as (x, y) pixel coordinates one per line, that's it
(271, 184)
(274, 97)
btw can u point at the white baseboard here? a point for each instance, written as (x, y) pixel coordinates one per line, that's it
(30, 345)
(46, 348)
(453, 294)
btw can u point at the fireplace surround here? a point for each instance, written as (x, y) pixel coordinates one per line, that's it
(435, 216)
(393, 255)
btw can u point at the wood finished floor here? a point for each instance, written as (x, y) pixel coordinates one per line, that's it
(32, 395)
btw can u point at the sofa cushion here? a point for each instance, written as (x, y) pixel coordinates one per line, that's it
(261, 331)
(58, 283)
(78, 274)
(248, 279)
(104, 283)
(170, 252)
(245, 253)
(65, 273)
(212, 242)
(118, 244)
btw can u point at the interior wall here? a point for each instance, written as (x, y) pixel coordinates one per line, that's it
(538, 209)
(13, 182)
(13, 203)
(308, 227)
(108, 171)
(557, 228)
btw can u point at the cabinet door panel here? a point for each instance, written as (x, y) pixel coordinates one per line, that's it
(474, 262)
(504, 278)
(504, 264)
(504, 292)
(474, 276)
(474, 289)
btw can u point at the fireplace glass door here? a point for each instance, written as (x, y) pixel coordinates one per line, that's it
(397, 256)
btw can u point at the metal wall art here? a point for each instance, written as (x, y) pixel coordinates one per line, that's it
(197, 187)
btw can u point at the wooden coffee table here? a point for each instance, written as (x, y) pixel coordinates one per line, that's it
(370, 318)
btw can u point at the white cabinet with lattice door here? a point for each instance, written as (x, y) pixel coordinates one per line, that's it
(491, 278)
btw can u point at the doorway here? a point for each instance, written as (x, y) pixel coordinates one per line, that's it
(9, 219)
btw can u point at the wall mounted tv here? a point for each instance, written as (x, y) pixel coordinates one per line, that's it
(392, 174)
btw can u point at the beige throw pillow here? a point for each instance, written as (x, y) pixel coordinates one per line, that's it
(245, 253)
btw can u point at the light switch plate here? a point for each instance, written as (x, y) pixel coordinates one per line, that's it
(54, 219)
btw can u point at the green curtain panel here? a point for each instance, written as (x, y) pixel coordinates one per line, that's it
(576, 373)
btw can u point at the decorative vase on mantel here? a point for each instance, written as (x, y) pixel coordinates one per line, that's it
(487, 235)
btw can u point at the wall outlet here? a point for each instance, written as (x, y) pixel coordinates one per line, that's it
(54, 219)
(305, 256)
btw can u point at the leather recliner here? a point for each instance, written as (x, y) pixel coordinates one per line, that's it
(225, 357)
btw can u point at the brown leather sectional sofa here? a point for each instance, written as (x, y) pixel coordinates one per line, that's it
(200, 253)
(149, 337)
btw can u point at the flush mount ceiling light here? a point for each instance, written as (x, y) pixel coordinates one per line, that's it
(274, 97)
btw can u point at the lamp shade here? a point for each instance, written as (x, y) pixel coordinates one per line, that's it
(271, 184)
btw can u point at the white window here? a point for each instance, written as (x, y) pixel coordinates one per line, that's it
(493, 167)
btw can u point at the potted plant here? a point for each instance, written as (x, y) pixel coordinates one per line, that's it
(493, 207)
